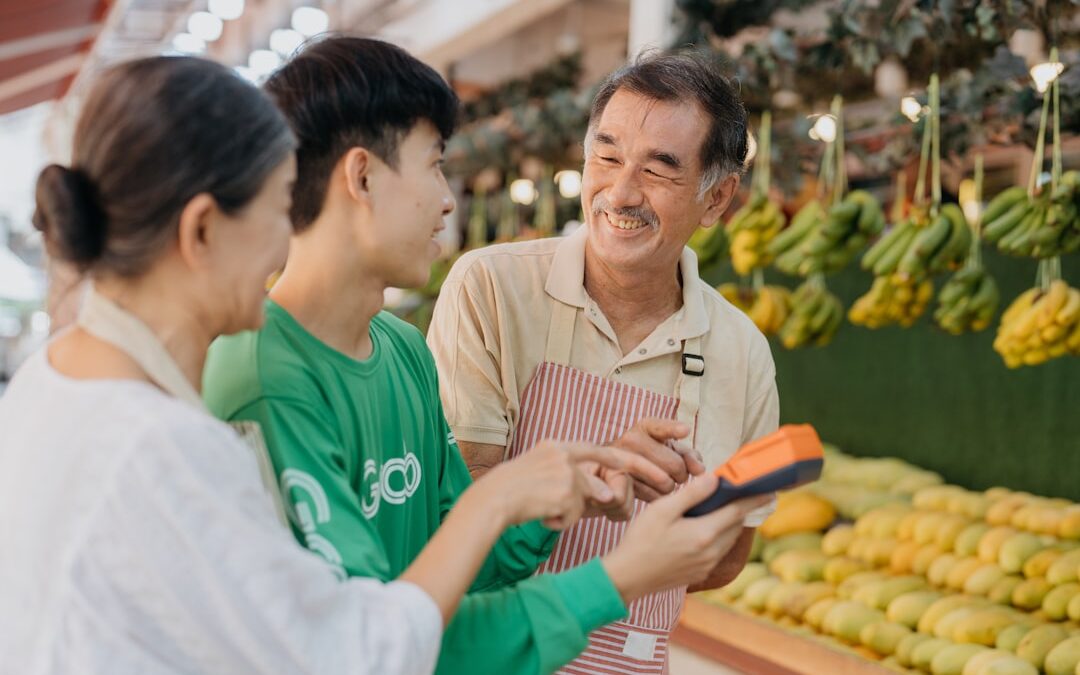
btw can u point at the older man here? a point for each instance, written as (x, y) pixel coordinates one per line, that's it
(584, 337)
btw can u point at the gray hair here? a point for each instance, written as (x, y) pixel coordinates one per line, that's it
(687, 76)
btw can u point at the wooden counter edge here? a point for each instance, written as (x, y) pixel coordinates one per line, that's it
(756, 647)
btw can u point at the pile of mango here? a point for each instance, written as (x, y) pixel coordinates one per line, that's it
(884, 559)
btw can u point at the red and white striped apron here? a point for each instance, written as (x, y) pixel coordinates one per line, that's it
(569, 404)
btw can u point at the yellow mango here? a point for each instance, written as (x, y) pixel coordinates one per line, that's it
(945, 625)
(1064, 568)
(982, 626)
(1029, 593)
(836, 570)
(815, 613)
(799, 565)
(949, 531)
(926, 556)
(940, 608)
(940, 568)
(750, 573)
(846, 620)
(883, 636)
(796, 605)
(1039, 564)
(837, 539)
(903, 556)
(778, 597)
(1008, 665)
(1038, 642)
(1001, 593)
(908, 608)
(1010, 636)
(927, 528)
(983, 579)
(882, 595)
(1016, 550)
(977, 663)
(848, 586)
(991, 542)
(804, 513)
(1001, 511)
(1056, 602)
(959, 573)
(1073, 609)
(907, 645)
(1063, 658)
(799, 540)
(1070, 524)
(757, 593)
(967, 542)
(923, 654)
(905, 530)
(952, 659)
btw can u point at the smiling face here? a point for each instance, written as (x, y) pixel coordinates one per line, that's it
(640, 186)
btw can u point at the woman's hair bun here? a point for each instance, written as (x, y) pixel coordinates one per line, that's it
(69, 215)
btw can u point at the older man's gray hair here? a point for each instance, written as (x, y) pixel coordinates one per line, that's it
(687, 76)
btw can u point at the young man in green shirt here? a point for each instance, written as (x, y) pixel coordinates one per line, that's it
(347, 395)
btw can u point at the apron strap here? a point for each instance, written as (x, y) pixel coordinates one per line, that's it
(110, 323)
(688, 384)
(560, 337)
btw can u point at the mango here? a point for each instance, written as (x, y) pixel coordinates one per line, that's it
(935, 497)
(940, 608)
(949, 531)
(878, 552)
(927, 528)
(1064, 568)
(1047, 520)
(1063, 658)
(903, 556)
(750, 573)
(1056, 602)
(907, 645)
(1001, 511)
(802, 599)
(883, 636)
(892, 588)
(1073, 609)
(1010, 636)
(837, 539)
(991, 542)
(799, 540)
(967, 542)
(1029, 593)
(1039, 564)
(802, 512)
(983, 579)
(940, 568)
(915, 481)
(815, 614)
(848, 586)
(1008, 665)
(976, 664)
(846, 620)
(779, 596)
(945, 625)
(838, 569)
(886, 525)
(923, 654)
(952, 659)
(908, 608)
(1038, 642)
(959, 573)
(1001, 593)
(1016, 550)
(905, 529)
(799, 565)
(926, 556)
(1070, 524)
(757, 593)
(982, 627)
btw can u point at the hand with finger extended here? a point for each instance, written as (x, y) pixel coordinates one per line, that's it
(656, 440)
(664, 549)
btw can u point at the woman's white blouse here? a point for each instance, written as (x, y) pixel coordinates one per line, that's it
(136, 537)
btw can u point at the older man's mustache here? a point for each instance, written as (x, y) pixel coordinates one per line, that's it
(600, 205)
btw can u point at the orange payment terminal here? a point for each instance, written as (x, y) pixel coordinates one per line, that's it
(790, 456)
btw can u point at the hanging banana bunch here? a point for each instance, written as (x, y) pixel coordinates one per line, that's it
(710, 245)
(755, 225)
(893, 299)
(767, 306)
(970, 298)
(816, 314)
(1040, 325)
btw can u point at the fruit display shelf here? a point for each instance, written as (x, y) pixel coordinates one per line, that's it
(881, 567)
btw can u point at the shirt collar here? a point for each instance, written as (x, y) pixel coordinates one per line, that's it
(566, 283)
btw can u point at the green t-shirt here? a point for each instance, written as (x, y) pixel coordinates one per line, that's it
(369, 468)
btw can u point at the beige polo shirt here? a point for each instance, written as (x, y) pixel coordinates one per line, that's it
(490, 328)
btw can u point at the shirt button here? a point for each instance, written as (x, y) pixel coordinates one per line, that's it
(671, 342)
(642, 351)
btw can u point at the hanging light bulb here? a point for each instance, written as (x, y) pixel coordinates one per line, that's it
(205, 26)
(310, 21)
(569, 183)
(227, 10)
(286, 41)
(523, 191)
(911, 108)
(262, 62)
(1045, 73)
(824, 129)
(186, 43)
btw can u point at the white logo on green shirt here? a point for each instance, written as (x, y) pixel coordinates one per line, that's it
(397, 480)
(300, 514)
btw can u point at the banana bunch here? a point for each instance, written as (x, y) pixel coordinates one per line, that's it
(709, 244)
(967, 301)
(820, 241)
(768, 307)
(919, 246)
(1039, 326)
(1041, 226)
(815, 316)
(750, 231)
(896, 298)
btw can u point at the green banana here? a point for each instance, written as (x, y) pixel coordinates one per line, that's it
(1002, 203)
(888, 262)
(994, 230)
(883, 244)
